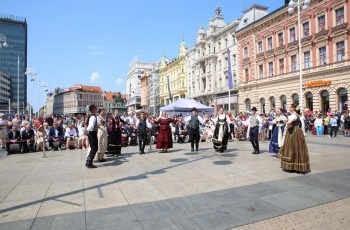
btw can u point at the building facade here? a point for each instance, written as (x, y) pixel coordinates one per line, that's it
(175, 70)
(5, 87)
(144, 89)
(153, 89)
(77, 99)
(114, 100)
(133, 83)
(15, 30)
(207, 64)
(268, 58)
(49, 103)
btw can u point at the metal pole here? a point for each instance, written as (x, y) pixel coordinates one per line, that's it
(191, 84)
(301, 96)
(18, 86)
(44, 149)
(9, 105)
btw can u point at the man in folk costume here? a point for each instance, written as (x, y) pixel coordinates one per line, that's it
(254, 121)
(92, 129)
(194, 120)
(142, 126)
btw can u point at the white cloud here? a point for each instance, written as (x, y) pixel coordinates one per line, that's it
(98, 53)
(119, 81)
(95, 77)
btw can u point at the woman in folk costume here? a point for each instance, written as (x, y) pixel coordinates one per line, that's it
(40, 136)
(101, 135)
(164, 138)
(221, 133)
(294, 153)
(114, 134)
(277, 133)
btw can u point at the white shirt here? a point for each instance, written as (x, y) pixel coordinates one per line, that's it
(292, 117)
(318, 122)
(92, 122)
(71, 132)
(3, 123)
(147, 123)
(200, 119)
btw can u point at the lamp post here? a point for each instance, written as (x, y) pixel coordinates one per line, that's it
(191, 84)
(30, 72)
(45, 86)
(304, 5)
(18, 85)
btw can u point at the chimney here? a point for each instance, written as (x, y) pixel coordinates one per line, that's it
(286, 2)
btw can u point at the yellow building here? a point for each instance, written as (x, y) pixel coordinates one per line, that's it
(176, 70)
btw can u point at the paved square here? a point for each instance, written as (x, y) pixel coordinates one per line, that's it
(177, 190)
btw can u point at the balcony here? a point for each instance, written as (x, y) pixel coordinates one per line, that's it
(340, 27)
(321, 33)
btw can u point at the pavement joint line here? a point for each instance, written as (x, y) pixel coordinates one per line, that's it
(43, 200)
(82, 175)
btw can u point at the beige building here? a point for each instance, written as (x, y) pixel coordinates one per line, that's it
(114, 100)
(49, 103)
(144, 89)
(207, 63)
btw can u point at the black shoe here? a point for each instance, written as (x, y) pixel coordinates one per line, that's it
(257, 152)
(196, 150)
(192, 150)
(101, 160)
(91, 166)
(254, 152)
(140, 152)
(8, 153)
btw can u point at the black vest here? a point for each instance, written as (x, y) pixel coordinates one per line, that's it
(142, 127)
(194, 122)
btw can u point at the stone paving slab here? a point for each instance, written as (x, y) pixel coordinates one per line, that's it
(175, 190)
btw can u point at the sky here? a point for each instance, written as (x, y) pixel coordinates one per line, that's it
(92, 42)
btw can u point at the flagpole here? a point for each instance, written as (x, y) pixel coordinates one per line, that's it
(229, 100)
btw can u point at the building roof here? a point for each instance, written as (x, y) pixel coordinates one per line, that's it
(251, 15)
(85, 88)
(110, 95)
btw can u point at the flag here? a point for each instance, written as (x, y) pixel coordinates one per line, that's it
(169, 91)
(229, 71)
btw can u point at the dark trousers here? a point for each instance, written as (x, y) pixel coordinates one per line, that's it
(10, 143)
(25, 146)
(335, 130)
(253, 137)
(325, 130)
(194, 137)
(60, 140)
(93, 146)
(142, 142)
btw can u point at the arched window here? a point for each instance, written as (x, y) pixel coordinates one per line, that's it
(325, 101)
(284, 102)
(296, 99)
(309, 101)
(272, 102)
(247, 105)
(262, 105)
(343, 99)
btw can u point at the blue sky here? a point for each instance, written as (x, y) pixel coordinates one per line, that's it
(72, 41)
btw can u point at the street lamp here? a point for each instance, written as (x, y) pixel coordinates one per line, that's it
(30, 72)
(18, 85)
(3, 41)
(45, 86)
(304, 4)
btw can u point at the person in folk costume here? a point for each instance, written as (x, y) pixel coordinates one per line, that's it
(92, 128)
(114, 134)
(253, 126)
(164, 138)
(277, 133)
(221, 132)
(102, 135)
(194, 121)
(142, 125)
(294, 153)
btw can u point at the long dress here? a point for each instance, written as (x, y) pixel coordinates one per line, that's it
(101, 137)
(277, 134)
(164, 138)
(221, 133)
(114, 135)
(294, 153)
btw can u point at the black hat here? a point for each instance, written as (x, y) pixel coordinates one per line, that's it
(194, 109)
(92, 107)
(254, 109)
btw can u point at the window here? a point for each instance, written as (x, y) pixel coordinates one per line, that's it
(281, 62)
(261, 71)
(340, 51)
(292, 34)
(233, 40)
(269, 43)
(234, 59)
(226, 42)
(321, 23)
(219, 46)
(245, 52)
(322, 56)
(270, 69)
(246, 74)
(339, 13)
(306, 29)
(307, 59)
(260, 50)
(294, 62)
(280, 39)
(209, 48)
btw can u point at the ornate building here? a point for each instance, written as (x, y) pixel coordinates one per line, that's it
(144, 89)
(268, 57)
(153, 89)
(176, 71)
(207, 63)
